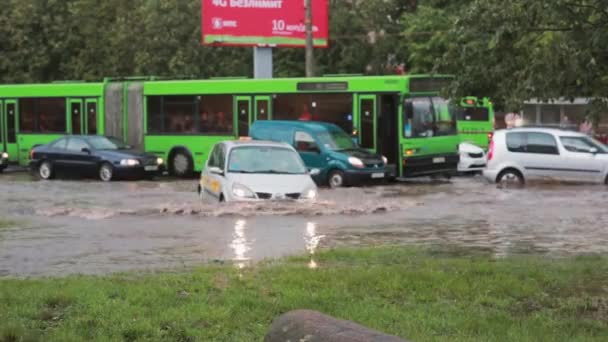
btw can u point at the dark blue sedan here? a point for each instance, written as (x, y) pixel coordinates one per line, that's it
(93, 156)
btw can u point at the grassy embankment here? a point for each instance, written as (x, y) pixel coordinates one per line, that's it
(416, 294)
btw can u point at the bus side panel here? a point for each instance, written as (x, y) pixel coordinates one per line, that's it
(199, 146)
(113, 122)
(135, 117)
(29, 141)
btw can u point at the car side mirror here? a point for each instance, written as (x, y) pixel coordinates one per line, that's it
(86, 150)
(216, 171)
(314, 172)
(593, 150)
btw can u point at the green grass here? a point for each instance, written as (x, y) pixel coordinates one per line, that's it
(5, 224)
(416, 294)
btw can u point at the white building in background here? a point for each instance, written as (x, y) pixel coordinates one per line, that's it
(558, 113)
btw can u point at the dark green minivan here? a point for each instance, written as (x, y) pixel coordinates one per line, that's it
(327, 147)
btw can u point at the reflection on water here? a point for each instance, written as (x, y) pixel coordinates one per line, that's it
(240, 245)
(312, 242)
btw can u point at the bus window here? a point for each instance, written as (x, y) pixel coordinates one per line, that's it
(209, 114)
(42, 115)
(332, 108)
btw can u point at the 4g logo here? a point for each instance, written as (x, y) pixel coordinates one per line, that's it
(220, 3)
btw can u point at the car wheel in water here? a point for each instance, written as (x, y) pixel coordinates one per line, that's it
(45, 170)
(509, 178)
(336, 179)
(181, 165)
(106, 172)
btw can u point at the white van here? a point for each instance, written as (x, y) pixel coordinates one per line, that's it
(521, 154)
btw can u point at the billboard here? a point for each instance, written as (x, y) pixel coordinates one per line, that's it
(262, 23)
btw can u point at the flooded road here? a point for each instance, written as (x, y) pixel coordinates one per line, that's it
(66, 227)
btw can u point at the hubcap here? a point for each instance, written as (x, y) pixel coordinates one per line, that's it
(180, 164)
(105, 173)
(45, 171)
(335, 181)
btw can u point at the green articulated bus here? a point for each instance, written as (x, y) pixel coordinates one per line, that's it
(401, 117)
(32, 115)
(476, 121)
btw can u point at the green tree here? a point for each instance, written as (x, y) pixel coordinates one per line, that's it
(521, 49)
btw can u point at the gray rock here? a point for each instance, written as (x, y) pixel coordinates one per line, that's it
(312, 326)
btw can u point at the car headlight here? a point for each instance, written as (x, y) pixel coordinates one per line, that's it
(4, 155)
(159, 161)
(356, 162)
(241, 191)
(385, 160)
(310, 194)
(129, 162)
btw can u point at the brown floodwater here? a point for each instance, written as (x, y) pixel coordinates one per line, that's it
(67, 227)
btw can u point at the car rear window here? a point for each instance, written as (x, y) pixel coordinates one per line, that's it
(532, 142)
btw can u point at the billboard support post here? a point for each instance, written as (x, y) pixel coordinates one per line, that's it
(309, 40)
(262, 62)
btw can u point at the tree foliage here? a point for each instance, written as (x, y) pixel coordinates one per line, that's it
(515, 50)
(47, 40)
(507, 50)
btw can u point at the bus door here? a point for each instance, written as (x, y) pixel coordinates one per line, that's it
(8, 128)
(90, 118)
(76, 122)
(367, 122)
(83, 116)
(243, 115)
(262, 108)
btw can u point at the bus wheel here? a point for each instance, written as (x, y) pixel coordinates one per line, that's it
(45, 170)
(181, 164)
(336, 179)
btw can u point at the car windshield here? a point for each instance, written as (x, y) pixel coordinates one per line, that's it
(336, 140)
(265, 159)
(103, 143)
(582, 144)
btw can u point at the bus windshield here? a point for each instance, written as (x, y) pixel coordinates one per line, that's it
(427, 117)
(336, 140)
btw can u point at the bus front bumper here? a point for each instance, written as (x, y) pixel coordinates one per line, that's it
(355, 177)
(420, 166)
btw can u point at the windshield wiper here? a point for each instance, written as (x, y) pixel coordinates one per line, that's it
(241, 171)
(276, 172)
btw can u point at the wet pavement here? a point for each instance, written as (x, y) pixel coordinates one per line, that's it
(65, 227)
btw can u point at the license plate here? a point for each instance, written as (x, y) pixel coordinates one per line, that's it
(438, 160)
(151, 168)
(377, 175)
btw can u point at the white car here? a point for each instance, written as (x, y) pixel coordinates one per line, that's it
(520, 154)
(472, 158)
(255, 170)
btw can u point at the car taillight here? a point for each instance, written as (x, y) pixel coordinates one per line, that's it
(491, 150)
(31, 154)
